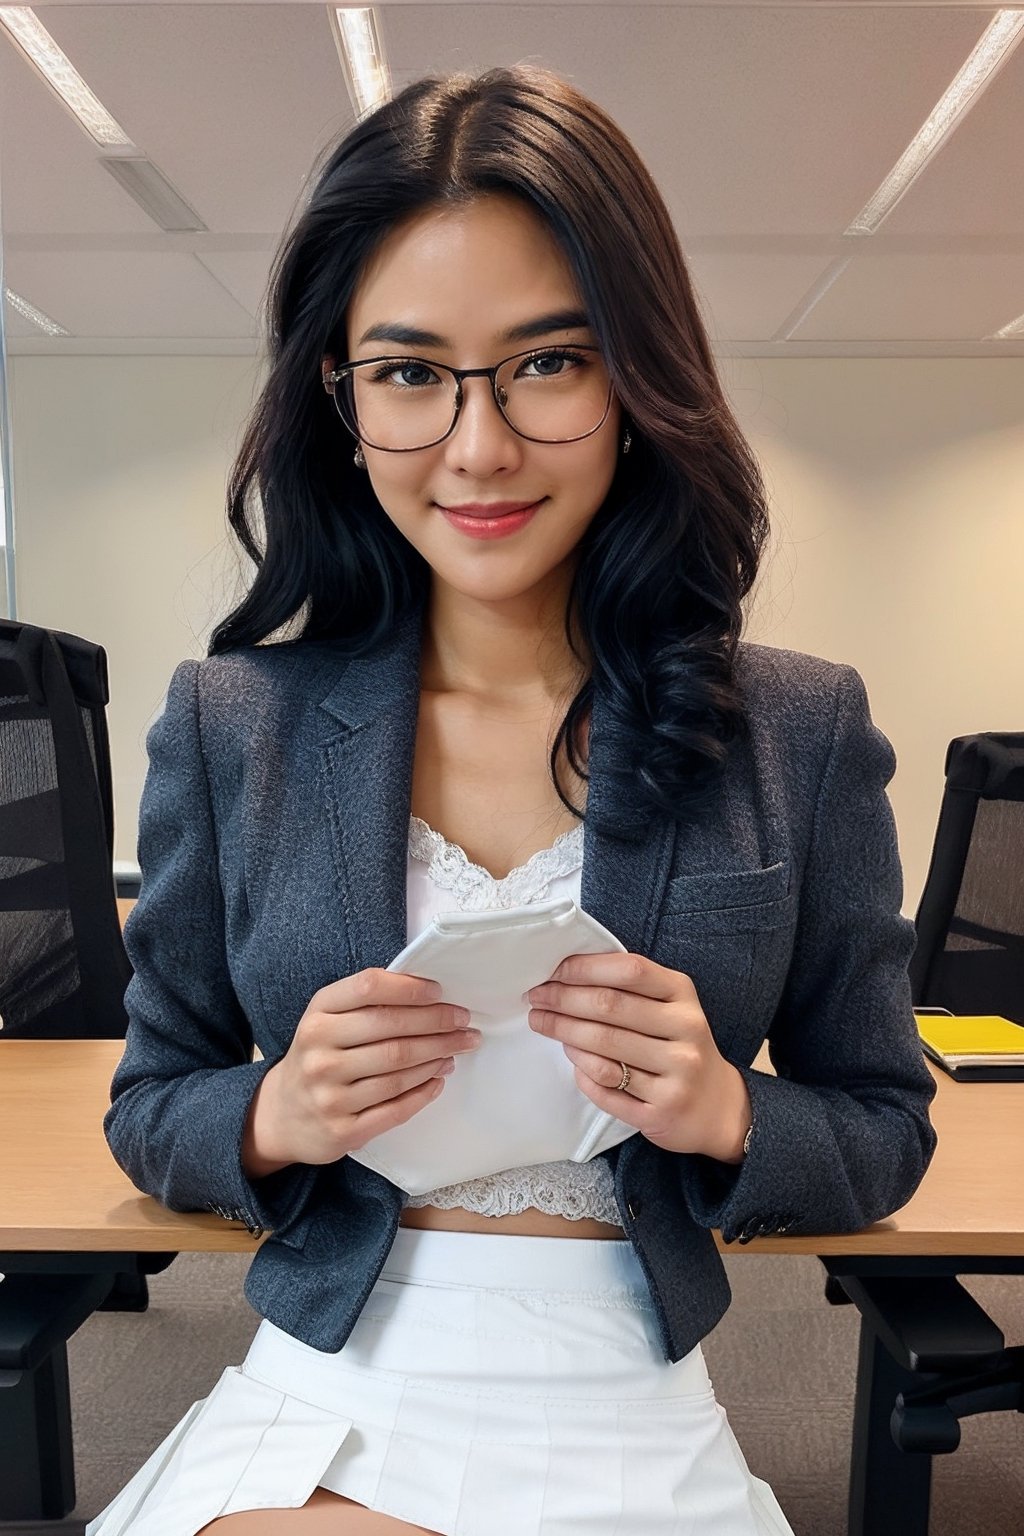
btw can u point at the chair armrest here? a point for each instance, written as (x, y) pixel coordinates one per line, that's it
(928, 1323)
(40, 1312)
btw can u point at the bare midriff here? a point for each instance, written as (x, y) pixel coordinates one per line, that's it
(461, 754)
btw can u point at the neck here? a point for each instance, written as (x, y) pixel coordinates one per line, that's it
(512, 652)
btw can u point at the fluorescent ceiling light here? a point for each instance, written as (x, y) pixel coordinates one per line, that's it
(61, 75)
(831, 275)
(35, 316)
(153, 192)
(1009, 332)
(137, 175)
(994, 47)
(356, 32)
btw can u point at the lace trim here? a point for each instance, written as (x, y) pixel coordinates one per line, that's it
(474, 887)
(576, 1190)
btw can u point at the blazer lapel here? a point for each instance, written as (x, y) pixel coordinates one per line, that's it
(365, 759)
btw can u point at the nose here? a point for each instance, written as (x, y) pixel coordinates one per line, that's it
(482, 442)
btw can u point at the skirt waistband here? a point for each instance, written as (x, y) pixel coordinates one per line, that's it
(496, 1261)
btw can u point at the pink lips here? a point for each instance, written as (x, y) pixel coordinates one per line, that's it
(491, 523)
(489, 508)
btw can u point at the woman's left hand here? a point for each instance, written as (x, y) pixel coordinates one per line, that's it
(618, 1007)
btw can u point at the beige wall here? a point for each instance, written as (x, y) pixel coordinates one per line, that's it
(120, 467)
(897, 496)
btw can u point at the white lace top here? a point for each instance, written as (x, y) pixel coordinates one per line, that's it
(441, 876)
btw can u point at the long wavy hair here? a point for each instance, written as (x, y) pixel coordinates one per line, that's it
(662, 569)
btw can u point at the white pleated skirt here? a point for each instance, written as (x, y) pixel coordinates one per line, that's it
(493, 1385)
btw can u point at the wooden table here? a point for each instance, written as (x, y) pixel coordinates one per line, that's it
(66, 1206)
(61, 1189)
(53, 1095)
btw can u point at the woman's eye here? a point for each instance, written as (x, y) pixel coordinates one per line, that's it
(419, 373)
(553, 365)
(399, 374)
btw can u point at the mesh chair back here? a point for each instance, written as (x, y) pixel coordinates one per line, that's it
(970, 921)
(63, 966)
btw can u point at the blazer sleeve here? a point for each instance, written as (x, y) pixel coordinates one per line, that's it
(841, 1135)
(181, 1091)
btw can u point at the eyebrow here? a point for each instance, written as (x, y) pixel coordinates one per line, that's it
(543, 325)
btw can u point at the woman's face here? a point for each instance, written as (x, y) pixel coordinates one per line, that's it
(469, 274)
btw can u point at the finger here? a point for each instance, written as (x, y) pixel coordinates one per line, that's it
(384, 1117)
(622, 1105)
(611, 1040)
(631, 972)
(390, 1085)
(400, 1053)
(385, 1021)
(375, 985)
(624, 1010)
(608, 1074)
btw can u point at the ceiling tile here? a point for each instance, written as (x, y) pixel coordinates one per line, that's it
(124, 294)
(924, 297)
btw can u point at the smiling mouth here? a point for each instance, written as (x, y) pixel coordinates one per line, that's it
(486, 514)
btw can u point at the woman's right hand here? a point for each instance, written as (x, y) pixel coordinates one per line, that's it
(370, 1051)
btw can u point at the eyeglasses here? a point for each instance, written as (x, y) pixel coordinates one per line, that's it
(399, 404)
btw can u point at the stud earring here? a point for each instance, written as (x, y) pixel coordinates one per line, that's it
(359, 458)
(626, 441)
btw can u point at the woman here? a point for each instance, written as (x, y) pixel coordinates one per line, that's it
(484, 708)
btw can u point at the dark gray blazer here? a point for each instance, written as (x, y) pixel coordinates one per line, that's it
(272, 839)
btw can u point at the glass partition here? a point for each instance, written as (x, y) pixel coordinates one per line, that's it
(8, 587)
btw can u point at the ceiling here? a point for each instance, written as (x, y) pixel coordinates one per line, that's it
(767, 128)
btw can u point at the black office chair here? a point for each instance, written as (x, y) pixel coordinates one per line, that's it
(63, 974)
(921, 1322)
(970, 919)
(63, 966)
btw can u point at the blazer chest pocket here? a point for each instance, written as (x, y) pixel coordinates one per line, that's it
(732, 901)
(732, 933)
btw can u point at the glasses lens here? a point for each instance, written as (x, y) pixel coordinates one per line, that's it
(554, 396)
(399, 402)
(404, 403)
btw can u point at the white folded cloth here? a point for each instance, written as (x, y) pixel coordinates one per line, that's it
(512, 1102)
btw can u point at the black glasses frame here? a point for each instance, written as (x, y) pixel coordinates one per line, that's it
(344, 370)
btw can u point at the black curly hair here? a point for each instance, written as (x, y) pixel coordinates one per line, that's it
(675, 546)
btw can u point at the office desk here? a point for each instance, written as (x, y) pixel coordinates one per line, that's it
(66, 1206)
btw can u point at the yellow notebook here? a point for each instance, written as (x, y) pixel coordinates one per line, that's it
(971, 1040)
